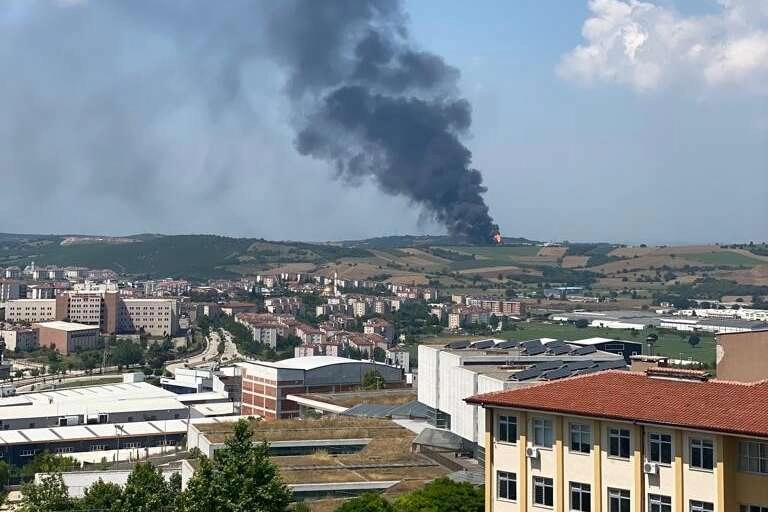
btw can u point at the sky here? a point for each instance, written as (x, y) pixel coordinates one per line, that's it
(600, 120)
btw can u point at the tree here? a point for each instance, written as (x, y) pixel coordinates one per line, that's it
(239, 478)
(379, 354)
(46, 462)
(146, 490)
(101, 496)
(694, 340)
(443, 495)
(493, 321)
(372, 380)
(368, 502)
(50, 495)
(126, 353)
(5, 474)
(581, 323)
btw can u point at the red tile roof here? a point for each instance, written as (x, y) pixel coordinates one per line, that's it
(717, 406)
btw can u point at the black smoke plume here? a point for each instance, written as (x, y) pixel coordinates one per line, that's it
(378, 108)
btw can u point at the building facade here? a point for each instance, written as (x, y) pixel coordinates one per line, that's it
(67, 337)
(663, 441)
(741, 356)
(266, 385)
(30, 310)
(20, 339)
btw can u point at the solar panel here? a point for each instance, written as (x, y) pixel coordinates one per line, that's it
(612, 365)
(530, 343)
(535, 350)
(548, 365)
(560, 373)
(583, 351)
(458, 345)
(556, 343)
(579, 365)
(536, 370)
(558, 350)
(483, 344)
(507, 344)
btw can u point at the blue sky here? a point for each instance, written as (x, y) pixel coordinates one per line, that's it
(565, 161)
(601, 120)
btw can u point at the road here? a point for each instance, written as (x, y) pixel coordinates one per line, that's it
(211, 353)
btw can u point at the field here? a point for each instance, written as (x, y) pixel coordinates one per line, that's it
(729, 258)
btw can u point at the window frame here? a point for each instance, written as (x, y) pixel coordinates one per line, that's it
(580, 430)
(619, 436)
(659, 503)
(745, 457)
(699, 444)
(545, 483)
(584, 491)
(657, 441)
(753, 508)
(545, 427)
(621, 495)
(505, 419)
(508, 477)
(700, 506)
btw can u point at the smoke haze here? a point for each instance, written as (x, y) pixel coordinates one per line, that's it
(135, 100)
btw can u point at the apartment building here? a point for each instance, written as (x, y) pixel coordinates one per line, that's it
(663, 441)
(381, 327)
(741, 356)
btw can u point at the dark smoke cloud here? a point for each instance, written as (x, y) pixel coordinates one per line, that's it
(381, 108)
(134, 101)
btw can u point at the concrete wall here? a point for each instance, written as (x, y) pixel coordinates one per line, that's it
(742, 357)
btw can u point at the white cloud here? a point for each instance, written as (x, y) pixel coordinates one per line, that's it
(648, 46)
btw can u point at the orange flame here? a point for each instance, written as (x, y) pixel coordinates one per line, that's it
(497, 238)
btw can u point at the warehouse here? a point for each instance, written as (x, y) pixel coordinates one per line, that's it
(93, 405)
(67, 337)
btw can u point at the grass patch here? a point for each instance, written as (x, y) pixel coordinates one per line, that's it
(729, 258)
(502, 253)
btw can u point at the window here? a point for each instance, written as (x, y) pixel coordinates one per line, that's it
(753, 457)
(659, 503)
(618, 500)
(618, 442)
(542, 432)
(507, 485)
(581, 497)
(27, 452)
(543, 491)
(508, 429)
(701, 506)
(660, 449)
(581, 438)
(752, 508)
(64, 449)
(98, 447)
(702, 454)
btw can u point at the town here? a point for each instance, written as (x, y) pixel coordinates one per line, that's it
(119, 370)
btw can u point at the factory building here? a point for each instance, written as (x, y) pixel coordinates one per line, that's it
(67, 337)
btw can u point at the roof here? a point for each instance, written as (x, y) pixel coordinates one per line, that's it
(412, 409)
(307, 363)
(717, 406)
(66, 326)
(598, 341)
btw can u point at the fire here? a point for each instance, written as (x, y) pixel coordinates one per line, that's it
(497, 238)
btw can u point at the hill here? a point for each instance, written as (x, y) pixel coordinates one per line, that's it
(192, 256)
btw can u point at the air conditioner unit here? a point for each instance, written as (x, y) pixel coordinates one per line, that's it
(532, 452)
(651, 468)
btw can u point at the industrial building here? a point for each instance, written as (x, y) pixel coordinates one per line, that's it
(619, 441)
(122, 403)
(449, 374)
(265, 385)
(67, 337)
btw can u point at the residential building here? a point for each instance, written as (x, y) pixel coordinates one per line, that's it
(450, 373)
(622, 441)
(12, 273)
(359, 308)
(265, 385)
(67, 337)
(399, 357)
(309, 335)
(20, 339)
(741, 357)
(381, 327)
